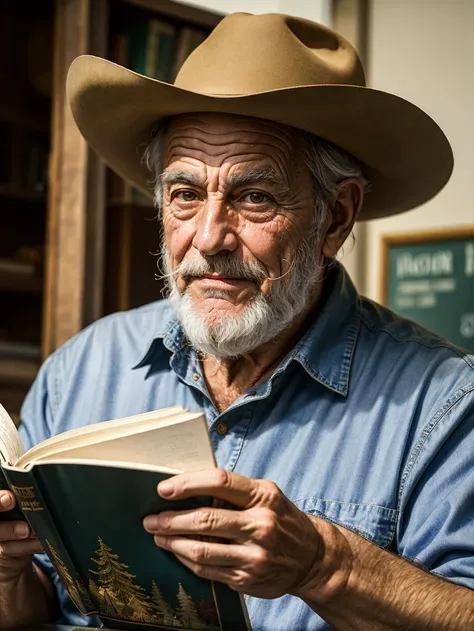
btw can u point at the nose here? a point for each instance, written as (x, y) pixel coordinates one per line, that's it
(214, 232)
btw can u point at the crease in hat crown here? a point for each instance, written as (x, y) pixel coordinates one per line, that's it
(274, 67)
(248, 53)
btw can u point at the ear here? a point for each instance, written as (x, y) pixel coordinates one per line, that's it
(343, 208)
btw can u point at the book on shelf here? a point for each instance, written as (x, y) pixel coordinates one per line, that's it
(21, 350)
(151, 48)
(17, 266)
(157, 49)
(85, 493)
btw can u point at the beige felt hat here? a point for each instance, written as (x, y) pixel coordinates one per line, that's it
(277, 67)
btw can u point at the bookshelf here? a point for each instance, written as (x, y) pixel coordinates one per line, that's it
(153, 38)
(76, 241)
(26, 34)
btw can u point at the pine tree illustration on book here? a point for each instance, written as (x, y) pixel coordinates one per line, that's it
(106, 560)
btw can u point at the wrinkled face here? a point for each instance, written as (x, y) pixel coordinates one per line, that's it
(237, 208)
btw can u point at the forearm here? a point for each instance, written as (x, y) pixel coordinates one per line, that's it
(26, 599)
(381, 591)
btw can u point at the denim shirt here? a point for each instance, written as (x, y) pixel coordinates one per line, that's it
(368, 422)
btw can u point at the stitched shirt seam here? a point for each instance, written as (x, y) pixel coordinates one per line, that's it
(427, 431)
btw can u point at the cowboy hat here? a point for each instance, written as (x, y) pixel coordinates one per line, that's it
(281, 68)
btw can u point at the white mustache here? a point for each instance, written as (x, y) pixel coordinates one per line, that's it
(222, 265)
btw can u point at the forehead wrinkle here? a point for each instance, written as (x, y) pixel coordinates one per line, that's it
(232, 159)
(224, 140)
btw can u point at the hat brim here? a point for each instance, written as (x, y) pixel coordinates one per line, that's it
(408, 156)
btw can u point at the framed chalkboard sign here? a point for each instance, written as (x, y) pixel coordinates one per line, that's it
(429, 278)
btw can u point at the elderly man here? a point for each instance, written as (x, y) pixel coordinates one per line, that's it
(343, 432)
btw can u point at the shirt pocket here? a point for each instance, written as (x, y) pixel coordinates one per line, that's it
(373, 522)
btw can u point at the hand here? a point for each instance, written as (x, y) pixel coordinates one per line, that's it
(271, 548)
(17, 545)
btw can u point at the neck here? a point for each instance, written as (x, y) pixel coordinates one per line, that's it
(228, 379)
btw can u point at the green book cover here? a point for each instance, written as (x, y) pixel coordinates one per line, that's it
(89, 519)
(137, 34)
(166, 51)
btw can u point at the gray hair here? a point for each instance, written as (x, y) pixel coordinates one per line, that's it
(328, 164)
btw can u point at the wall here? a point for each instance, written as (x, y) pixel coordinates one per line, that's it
(318, 10)
(424, 52)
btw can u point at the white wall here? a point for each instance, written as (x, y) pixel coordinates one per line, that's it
(318, 10)
(424, 51)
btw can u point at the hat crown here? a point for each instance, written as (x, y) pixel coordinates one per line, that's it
(248, 53)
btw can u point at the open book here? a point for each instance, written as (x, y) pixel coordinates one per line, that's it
(85, 493)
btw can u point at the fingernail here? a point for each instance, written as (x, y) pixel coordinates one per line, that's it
(21, 530)
(149, 523)
(165, 488)
(6, 501)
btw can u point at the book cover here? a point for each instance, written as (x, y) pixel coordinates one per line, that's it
(89, 519)
(165, 51)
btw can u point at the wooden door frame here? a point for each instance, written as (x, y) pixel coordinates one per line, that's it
(74, 261)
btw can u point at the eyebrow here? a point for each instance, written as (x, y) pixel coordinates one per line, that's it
(172, 176)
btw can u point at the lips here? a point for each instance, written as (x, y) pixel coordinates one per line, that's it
(215, 281)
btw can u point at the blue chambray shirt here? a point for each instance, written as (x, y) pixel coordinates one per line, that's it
(368, 422)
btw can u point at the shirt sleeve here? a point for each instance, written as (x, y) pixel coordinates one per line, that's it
(436, 519)
(37, 424)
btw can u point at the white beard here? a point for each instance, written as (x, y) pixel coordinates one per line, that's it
(262, 319)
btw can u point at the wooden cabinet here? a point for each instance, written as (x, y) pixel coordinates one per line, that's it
(75, 241)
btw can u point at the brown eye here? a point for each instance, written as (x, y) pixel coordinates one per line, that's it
(257, 198)
(186, 196)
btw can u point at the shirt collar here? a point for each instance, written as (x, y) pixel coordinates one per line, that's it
(326, 349)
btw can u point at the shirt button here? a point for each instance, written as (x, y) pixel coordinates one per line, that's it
(222, 428)
(196, 377)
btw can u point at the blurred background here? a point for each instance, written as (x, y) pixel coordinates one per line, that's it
(77, 242)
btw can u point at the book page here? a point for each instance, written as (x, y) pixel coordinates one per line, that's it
(11, 448)
(184, 445)
(89, 434)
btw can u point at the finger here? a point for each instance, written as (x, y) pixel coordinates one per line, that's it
(224, 485)
(14, 549)
(7, 501)
(216, 522)
(11, 530)
(234, 578)
(203, 552)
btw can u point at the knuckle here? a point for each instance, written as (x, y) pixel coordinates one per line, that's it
(261, 559)
(165, 521)
(221, 478)
(267, 529)
(183, 485)
(239, 582)
(271, 493)
(204, 520)
(198, 552)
